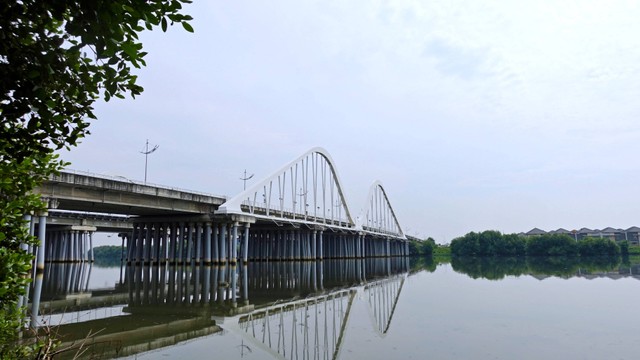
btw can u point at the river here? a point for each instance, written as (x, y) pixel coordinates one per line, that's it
(352, 309)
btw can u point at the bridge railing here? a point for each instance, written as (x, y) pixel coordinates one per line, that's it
(381, 231)
(260, 208)
(138, 182)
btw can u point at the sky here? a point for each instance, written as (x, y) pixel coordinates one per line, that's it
(475, 115)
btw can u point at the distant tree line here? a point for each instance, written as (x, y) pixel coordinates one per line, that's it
(493, 243)
(108, 255)
(422, 247)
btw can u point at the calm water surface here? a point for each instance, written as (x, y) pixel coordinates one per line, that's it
(374, 309)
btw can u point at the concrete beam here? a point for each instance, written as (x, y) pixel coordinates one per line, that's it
(91, 193)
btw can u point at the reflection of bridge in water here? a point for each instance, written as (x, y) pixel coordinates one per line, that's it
(288, 309)
(315, 327)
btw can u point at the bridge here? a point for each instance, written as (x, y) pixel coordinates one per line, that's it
(299, 212)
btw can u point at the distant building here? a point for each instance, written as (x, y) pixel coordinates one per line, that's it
(535, 231)
(631, 234)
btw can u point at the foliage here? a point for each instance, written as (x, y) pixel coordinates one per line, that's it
(442, 251)
(551, 245)
(423, 247)
(624, 248)
(488, 243)
(591, 246)
(493, 243)
(108, 255)
(108, 251)
(16, 180)
(634, 249)
(57, 59)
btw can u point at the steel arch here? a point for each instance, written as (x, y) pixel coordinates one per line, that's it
(378, 216)
(307, 190)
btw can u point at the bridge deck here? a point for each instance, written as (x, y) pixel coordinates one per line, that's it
(117, 195)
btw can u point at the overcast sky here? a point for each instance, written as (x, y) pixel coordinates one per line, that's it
(475, 115)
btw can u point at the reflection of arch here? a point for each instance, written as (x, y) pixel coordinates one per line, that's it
(306, 189)
(311, 328)
(383, 297)
(378, 215)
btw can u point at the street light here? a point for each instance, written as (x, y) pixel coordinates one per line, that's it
(146, 153)
(244, 179)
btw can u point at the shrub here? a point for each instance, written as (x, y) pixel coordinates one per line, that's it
(552, 245)
(598, 247)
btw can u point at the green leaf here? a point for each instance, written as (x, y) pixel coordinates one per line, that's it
(130, 49)
(187, 27)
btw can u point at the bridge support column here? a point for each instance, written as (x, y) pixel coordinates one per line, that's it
(343, 245)
(354, 245)
(233, 244)
(207, 243)
(304, 244)
(73, 245)
(91, 255)
(77, 245)
(320, 245)
(130, 245)
(148, 242)
(216, 243)
(144, 238)
(388, 248)
(178, 236)
(280, 245)
(292, 246)
(136, 250)
(245, 244)
(198, 243)
(124, 247)
(42, 228)
(314, 245)
(173, 239)
(223, 241)
(297, 247)
(82, 246)
(190, 243)
(245, 284)
(164, 243)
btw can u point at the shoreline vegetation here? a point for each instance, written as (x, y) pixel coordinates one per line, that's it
(492, 243)
(493, 255)
(497, 268)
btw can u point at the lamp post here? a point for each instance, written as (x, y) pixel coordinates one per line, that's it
(244, 179)
(146, 153)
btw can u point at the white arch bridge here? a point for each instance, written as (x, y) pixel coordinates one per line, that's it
(299, 212)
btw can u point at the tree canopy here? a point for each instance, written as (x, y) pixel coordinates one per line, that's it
(57, 58)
